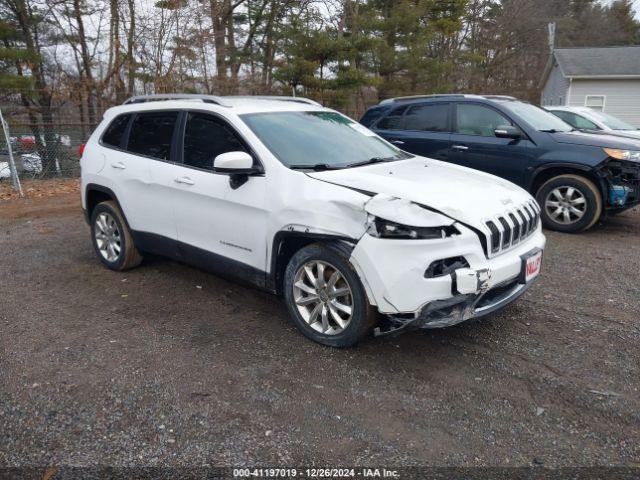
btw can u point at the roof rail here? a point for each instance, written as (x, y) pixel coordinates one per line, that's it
(441, 95)
(157, 97)
(500, 97)
(278, 98)
(417, 97)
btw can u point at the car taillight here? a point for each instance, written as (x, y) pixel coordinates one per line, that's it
(81, 149)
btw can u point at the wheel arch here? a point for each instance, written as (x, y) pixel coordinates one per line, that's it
(547, 172)
(95, 194)
(286, 243)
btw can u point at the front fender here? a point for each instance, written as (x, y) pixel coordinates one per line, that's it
(566, 165)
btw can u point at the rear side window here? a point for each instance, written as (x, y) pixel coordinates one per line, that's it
(432, 117)
(151, 134)
(474, 119)
(393, 121)
(115, 131)
(206, 137)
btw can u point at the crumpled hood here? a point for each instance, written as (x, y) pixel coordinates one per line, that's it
(467, 195)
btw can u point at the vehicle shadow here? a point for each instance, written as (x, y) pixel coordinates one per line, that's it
(238, 314)
(625, 222)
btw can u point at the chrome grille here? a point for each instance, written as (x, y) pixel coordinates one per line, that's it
(510, 228)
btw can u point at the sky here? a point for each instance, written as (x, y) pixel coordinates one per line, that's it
(636, 6)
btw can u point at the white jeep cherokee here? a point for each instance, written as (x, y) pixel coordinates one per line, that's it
(302, 201)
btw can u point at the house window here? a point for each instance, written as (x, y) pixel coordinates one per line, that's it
(595, 102)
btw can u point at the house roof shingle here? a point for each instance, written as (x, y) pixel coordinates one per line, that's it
(599, 61)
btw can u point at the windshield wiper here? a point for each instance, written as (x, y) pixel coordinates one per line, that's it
(320, 167)
(317, 167)
(371, 161)
(549, 130)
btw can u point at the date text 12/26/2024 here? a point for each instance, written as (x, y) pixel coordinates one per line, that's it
(315, 473)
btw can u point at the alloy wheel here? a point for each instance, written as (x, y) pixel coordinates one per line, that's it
(323, 297)
(565, 205)
(108, 237)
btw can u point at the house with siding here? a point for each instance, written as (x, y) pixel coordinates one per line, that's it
(602, 78)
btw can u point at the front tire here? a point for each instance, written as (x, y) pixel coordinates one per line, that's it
(112, 240)
(325, 298)
(569, 203)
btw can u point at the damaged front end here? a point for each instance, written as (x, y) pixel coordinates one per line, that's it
(425, 269)
(622, 181)
(457, 309)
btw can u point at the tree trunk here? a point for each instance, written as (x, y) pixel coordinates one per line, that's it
(267, 63)
(219, 41)
(116, 47)
(86, 64)
(234, 61)
(42, 94)
(131, 64)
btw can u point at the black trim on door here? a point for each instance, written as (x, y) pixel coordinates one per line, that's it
(226, 267)
(199, 258)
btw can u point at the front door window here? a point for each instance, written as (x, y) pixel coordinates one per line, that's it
(478, 120)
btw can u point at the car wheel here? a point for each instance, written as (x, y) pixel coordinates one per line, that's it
(569, 203)
(112, 239)
(325, 297)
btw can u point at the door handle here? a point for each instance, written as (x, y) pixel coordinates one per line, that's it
(460, 147)
(397, 142)
(185, 180)
(118, 165)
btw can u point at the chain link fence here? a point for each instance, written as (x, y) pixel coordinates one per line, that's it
(42, 150)
(43, 141)
(51, 149)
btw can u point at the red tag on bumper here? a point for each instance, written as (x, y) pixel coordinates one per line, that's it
(531, 263)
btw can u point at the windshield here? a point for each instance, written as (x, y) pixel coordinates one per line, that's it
(319, 139)
(537, 117)
(611, 121)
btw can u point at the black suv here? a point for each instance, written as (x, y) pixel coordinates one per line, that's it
(575, 176)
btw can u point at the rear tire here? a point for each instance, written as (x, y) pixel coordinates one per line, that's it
(325, 298)
(111, 238)
(569, 203)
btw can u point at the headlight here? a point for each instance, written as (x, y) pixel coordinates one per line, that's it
(381, 228)
(631, 155)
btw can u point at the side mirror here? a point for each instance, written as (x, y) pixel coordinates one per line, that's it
(234, 162)
(507, 131)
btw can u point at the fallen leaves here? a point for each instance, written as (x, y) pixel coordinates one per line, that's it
(49, 187)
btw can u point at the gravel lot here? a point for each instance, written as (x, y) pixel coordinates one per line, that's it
(168, 365)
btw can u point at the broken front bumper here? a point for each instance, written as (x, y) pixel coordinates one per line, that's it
(394, 273)
(622, 185)
(445, 313)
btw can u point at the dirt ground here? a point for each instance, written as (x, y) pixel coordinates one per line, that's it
(167, 365)
(36, 189)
